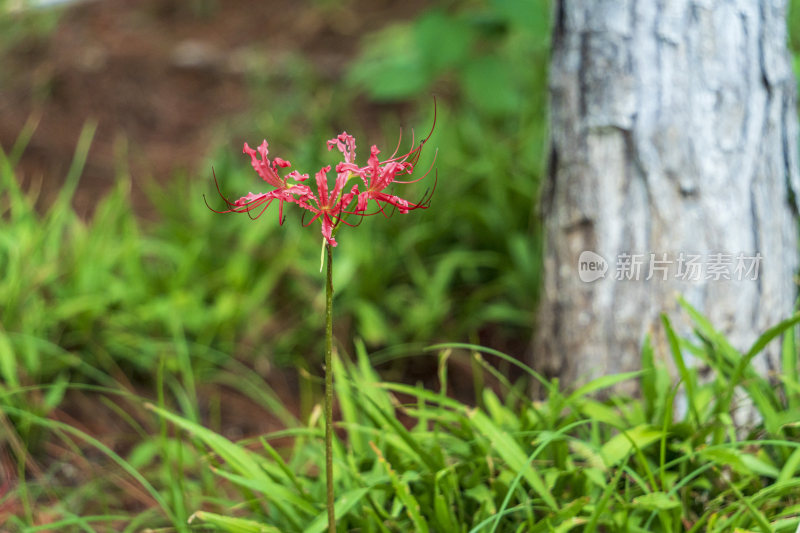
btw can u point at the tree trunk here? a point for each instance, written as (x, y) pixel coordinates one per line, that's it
(673, 136)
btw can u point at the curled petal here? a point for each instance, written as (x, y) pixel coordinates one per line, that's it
(347, 167)
(262, 166)
(390, 171)
(363, 200)
(303, 191)
(346, 200)
(374, 163)
(250, 198)
(263, 150)
(341, 181)
(346, 144)
(322, 183)
(401, 204)
(296, 176)
(327, 230)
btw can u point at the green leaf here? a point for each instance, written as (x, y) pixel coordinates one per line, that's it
(54, 425)
(371, 323)
(602, 382)
(8, 362)
(56, 393)
(789, 368)
(405, 441)
(657, 501)
(390, 66)
(648, 379)
(249, 472)
(599, 412)
(445, 519)
(236, 457)
(742, 463)
(341, 507)
(233, 525)
(687, 377)
(790, 467)
(759, 466)
(570, 523)
(274, 492)
(623, 444)
(403, 494)
(769, 335)
(444, 41)
(490, 85)
(587, 452)
(512, 454)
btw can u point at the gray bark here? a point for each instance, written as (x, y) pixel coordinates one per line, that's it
(673, 129)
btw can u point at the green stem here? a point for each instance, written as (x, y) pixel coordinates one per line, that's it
(329, 389)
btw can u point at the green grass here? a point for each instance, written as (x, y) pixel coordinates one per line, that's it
(413, 459)
(409, 458)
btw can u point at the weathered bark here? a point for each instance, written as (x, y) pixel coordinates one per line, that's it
(673, 129)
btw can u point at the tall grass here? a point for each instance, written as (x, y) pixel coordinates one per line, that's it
(415, 459)
(410, 458)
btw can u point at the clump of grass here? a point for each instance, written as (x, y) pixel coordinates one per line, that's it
(411, 459)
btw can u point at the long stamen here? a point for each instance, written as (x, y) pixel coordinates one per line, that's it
(214, 210)
(435, 155)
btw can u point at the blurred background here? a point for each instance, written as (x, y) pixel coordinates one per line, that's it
(114, 273)
(175, 88)
(116, 279)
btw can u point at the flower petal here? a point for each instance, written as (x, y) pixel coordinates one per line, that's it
(345, 144)
(322, 184)
(295, 175)
(327, 230)
(262, 166)
(250, 198)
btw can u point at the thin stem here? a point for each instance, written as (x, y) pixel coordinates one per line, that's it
(329, 389)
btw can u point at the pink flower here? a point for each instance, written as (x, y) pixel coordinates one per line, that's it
(329, 208)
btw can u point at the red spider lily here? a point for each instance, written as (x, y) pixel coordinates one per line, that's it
(329, 208)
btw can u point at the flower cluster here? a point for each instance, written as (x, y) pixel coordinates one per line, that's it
(369, 194)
